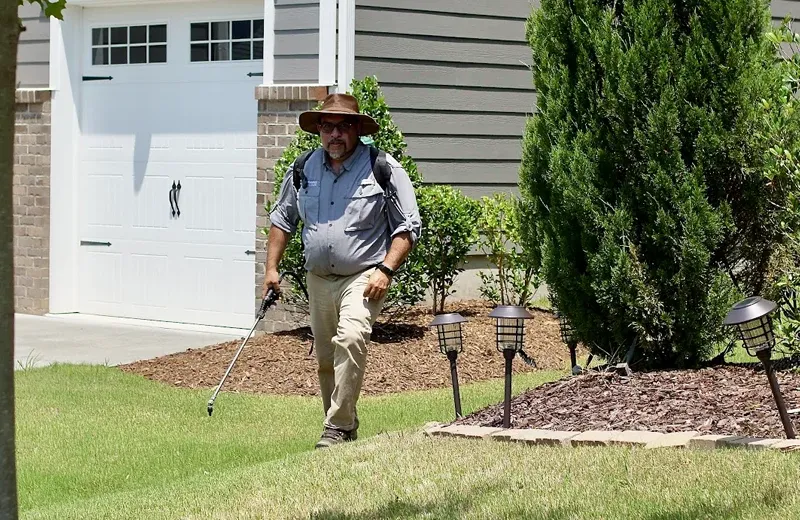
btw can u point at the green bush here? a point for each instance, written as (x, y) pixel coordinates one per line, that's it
(449, 220)
(408, 287)
(516, 279)
(643, 168)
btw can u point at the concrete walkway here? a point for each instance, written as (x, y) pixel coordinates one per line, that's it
(42, 340)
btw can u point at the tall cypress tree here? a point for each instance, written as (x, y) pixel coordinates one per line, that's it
(642, 167)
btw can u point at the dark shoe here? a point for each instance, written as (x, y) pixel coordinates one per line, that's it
(332, 436)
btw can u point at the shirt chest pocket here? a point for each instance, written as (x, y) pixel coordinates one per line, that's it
(364, 206)
(308, 205)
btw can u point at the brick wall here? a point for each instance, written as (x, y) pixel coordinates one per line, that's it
(31, 194)
(278, 109)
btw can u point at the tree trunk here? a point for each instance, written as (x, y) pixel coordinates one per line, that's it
(9, 36)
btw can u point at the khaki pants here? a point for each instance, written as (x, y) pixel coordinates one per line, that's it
(341, 321)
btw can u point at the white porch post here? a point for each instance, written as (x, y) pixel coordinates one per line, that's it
(269, 43)
(347, 44)
(327, 42)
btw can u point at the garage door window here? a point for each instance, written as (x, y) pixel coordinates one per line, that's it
(235, 40)
(129, 44)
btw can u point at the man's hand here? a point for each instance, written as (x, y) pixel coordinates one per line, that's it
(377, 286)
(271, 281)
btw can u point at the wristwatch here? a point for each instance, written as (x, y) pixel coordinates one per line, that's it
(386, 270)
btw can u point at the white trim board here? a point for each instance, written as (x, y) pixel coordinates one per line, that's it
(347, 44)
(269, 43)
(66, 46)
(327, 42)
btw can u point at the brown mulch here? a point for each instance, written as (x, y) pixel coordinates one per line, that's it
(723, 400)
(402, 356)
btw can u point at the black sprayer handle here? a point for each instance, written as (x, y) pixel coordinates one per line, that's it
(271, 296)
(269, 299)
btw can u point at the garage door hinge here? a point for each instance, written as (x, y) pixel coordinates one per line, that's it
(97, 78)
(251, 74)
(249, 252)
(93, 243)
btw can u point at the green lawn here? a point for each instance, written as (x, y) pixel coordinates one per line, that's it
(95, 443)
(85, 432)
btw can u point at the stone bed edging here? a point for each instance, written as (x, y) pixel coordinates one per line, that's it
(629, 438)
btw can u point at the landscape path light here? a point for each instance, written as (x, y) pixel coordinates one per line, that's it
(751, 317)
(568, 337)
(451, 344)
(510, 332)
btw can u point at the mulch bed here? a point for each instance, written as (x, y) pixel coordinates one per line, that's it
(402, 356)
(722, 400)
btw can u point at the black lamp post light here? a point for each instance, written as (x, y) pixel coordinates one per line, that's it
(448, 328)
(568, 337)
(510, 332)
(752, 319)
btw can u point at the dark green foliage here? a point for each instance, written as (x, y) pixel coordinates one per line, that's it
(642, 170)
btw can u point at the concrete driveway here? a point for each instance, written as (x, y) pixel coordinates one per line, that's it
(42, 340)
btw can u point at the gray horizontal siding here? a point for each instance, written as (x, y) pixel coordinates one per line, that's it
(438, 147)
(459, 123)
(296, 69)
(473, 171)
(507, 8)
(296, 41)
(458, 99)
(782, 8)
(440, 73)
(456, 77)
(33, 54)
(406, 22)
(449, 50)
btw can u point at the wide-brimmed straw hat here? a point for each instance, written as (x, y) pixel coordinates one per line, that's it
(338, 104)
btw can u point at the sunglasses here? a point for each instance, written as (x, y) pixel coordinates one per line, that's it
(344, 126)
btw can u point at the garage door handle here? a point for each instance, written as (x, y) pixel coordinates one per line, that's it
(171, 196)
(93, 243)
(177, 193)
(97, 78)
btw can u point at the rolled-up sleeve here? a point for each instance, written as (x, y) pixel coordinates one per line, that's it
(285, 214)
(404, 215)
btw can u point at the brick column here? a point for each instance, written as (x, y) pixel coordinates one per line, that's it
(278, 109)
(31, 194)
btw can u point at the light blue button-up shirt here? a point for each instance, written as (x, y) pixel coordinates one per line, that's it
(347, 224)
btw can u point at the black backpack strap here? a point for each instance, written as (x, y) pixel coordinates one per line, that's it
(381, 169)
(297, 170)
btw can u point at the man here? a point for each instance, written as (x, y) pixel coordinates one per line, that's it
(354, 240)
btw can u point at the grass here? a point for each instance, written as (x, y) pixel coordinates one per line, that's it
(94, 442)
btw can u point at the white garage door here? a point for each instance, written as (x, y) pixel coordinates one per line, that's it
(167, 100)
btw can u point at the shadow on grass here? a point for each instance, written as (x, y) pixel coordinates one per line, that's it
(771, 498)
(457, 506)
(453, 506)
